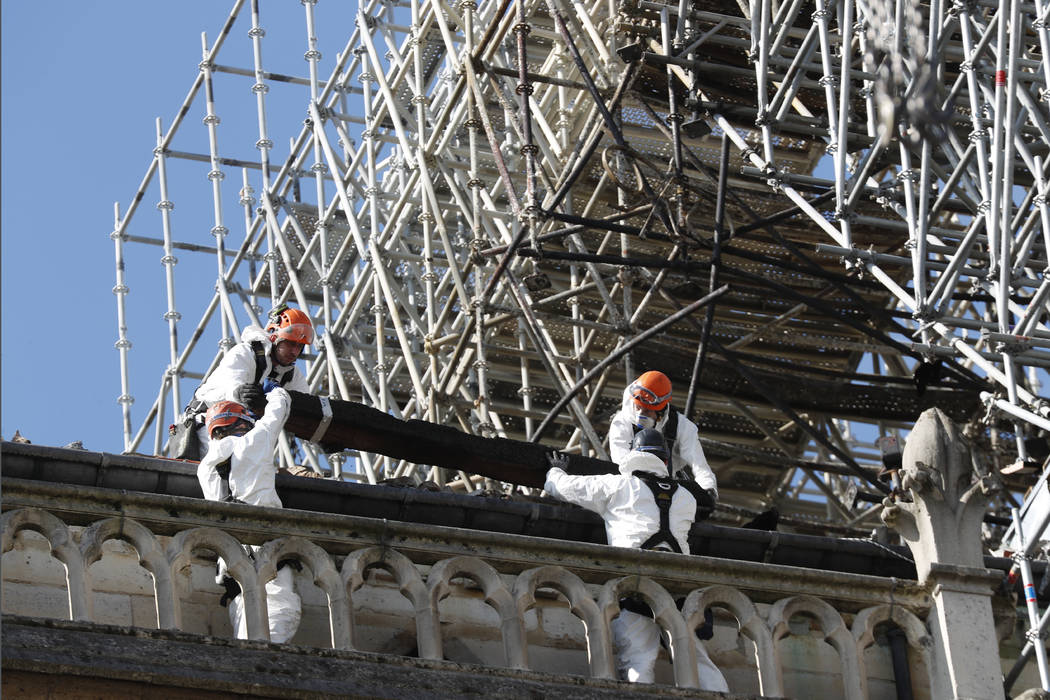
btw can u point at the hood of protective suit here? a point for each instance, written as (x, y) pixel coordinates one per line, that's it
(642, 462)
(252, 333)
(630, 410)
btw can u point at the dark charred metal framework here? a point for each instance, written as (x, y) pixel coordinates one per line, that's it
(487, 201)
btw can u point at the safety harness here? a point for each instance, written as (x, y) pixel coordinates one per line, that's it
(260, 365)
(663, 490)
(197, 407)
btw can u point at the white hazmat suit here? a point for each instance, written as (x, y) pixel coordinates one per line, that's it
(238, 367)
(251, 480)
(631, 517)
(686, 451)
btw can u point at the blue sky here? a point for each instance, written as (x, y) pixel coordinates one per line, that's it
(82, 83)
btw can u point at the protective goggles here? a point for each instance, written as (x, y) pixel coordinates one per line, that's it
(646, 396)
(232, 414)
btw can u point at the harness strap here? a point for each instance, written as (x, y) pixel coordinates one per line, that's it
(670, 430)
(259, 350)
(197, 407)
(663, 491)
(260, 366)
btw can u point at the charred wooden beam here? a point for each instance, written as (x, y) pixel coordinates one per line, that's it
(356, 426)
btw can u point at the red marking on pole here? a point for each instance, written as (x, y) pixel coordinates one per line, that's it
(1000, 78)
(1030, 592)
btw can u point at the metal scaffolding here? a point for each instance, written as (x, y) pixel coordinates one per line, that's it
(489, 206)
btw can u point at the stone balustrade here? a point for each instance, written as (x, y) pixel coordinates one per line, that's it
(514, 575)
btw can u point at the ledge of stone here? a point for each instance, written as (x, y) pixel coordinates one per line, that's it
(150, 475)
(169, 662)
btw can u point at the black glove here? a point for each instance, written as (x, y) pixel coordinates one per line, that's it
(557, 459)
(707, 630)
(705, 504)
(233, 589)
(251, 396)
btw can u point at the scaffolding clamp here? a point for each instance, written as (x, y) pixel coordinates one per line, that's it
(1006, 343)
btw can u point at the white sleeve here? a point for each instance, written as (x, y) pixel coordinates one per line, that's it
(262, 438)
(278, 404)
(687, 445)
(260, 441)
(621, 435)
(591, 492)
(253, 470)
(210, 481)
(237, 367)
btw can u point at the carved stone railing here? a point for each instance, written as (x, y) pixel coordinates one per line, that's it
(167, 532)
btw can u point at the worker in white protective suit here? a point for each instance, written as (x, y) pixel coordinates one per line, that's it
(264, 358)
(638, 513)
(239, 468)
(647, 404)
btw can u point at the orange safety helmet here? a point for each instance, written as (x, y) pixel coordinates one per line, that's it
(289, 324)
(226, 413)
(651, 391)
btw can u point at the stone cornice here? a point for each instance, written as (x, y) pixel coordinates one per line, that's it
(341, 534)
(155, 661)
